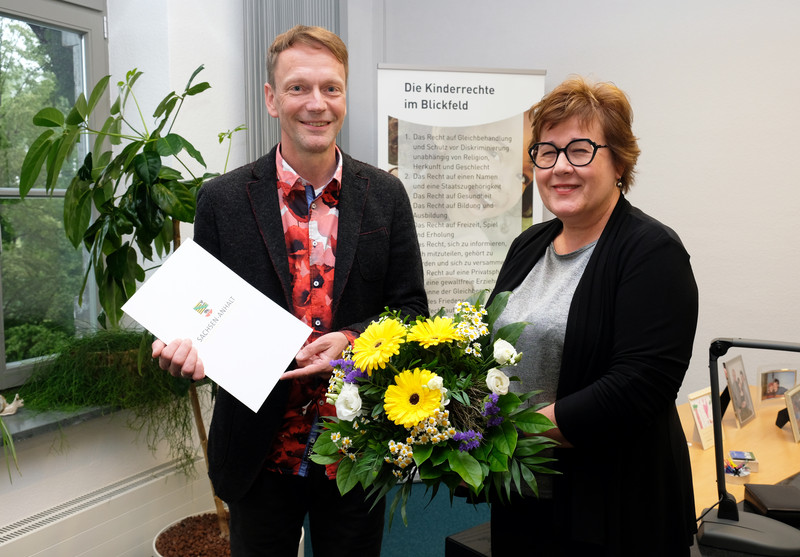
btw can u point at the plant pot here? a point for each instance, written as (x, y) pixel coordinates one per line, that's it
(197, 535)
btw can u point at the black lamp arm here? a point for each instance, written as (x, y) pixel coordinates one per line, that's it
(719, 347)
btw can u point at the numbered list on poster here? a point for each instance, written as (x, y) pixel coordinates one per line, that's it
(465, 189)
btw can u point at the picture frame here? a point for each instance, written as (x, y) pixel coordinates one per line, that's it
(700, 403)
(793, 406)
(739, 390)
(777, 382)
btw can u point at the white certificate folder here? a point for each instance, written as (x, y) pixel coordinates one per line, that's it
(245, 340)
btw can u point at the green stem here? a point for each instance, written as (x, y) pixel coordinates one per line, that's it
(177, 111)
(139, 110)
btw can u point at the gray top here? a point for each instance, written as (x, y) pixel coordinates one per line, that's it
(543, 300)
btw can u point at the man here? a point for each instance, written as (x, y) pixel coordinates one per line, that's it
(333, 241)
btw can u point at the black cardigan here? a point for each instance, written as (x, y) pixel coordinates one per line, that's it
(627, 483)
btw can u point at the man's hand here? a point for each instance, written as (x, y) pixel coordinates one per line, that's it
(315, 358)
(179, 358)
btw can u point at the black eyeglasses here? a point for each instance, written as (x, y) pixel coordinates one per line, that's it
(579, 152)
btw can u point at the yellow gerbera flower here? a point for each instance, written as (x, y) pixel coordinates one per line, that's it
(377, 344)
(431, 332)
(410, 401)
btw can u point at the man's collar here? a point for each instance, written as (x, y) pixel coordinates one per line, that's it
(289, 179)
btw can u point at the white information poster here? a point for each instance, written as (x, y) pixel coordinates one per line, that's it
(458, 138)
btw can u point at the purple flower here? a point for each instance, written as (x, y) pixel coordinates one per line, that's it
(494, 420)
(468, 440)
(345, 365)
(490, 407)
(351, 373)
(354, 375)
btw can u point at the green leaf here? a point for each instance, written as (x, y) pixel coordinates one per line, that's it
(97, 93)
(346, 478)
(496, 308)
(508, 402)
(324, 445)
(498, 462)
(65, 144)
(503, 438)
(77, 210)
(478, 298)
(466, 466)
(515, 474)
(171, 144)
(114, 131)
(511, 331)
(422, 453)
(117, 262)
(34, 158)
(103, 134)
(529, 479)
(529, 446)
(49, 118)
(147, 165)
(116, 107)
(166, 105)
(79, 111)
(197, 70)
(194, 153)
(324, 460)
(532, 422)
(199, 88)
(110, 296)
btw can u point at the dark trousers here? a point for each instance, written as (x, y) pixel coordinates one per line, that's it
(269, 519)
(527, 526)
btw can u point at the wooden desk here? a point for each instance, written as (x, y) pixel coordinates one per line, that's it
(777, 453)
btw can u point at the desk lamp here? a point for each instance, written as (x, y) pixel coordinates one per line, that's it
(724, 527)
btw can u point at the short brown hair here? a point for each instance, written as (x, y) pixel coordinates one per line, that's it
(317, 37)
(603, 103)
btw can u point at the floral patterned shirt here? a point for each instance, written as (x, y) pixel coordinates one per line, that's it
(310, 219)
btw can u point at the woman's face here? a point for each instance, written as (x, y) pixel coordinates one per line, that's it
(580, 196)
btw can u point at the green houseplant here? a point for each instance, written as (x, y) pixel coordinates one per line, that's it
(123, 201)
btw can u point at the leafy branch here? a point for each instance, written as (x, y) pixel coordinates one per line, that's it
(120, 202)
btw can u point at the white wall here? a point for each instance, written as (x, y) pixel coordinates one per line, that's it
(168, 41)
(714, 87)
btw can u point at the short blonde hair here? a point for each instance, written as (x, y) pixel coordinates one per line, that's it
(317, 37)
(603, 103)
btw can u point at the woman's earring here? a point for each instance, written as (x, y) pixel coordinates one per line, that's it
(619, 183)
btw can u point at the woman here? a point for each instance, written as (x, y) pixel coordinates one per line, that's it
(612, 303)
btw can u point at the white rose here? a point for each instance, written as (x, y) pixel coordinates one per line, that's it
(504, 352)
(437, 384)
(497, 381)
(348, 404)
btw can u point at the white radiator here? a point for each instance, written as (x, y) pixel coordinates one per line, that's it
(120, 519)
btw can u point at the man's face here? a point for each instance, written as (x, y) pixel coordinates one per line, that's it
(309, 99)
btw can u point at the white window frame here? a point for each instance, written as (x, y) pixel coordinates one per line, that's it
(88, 19)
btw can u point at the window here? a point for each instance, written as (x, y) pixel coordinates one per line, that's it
(49, 51)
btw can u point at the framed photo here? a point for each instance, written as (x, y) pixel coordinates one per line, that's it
(793, 406)
(700, 403)
(741, 400)
(776, 382)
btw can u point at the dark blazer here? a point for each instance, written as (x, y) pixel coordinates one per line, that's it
(378, 265)
(630, 329)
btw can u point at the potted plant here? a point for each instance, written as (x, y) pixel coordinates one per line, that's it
(102, 370)
(123, 201)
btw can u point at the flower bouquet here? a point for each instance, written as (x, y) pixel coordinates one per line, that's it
(430, 399)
